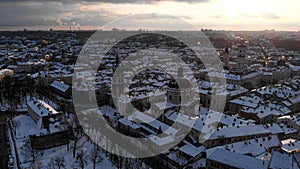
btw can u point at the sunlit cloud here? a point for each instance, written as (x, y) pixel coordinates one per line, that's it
(215, 14)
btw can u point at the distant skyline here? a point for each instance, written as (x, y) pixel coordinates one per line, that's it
(207, 14)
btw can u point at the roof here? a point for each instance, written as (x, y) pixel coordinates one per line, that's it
(274, 128)
(198, 123)
(127, 122)
(282, 161)
(6, 71)
(280, 91)
(267, 109)
(287, 129)
(254, 147)
(192, 150)
(237, 160)
(295, 99)
(294, 119)
(208, 88)
(229, 132)
(144, 118)
(248, 101)
(41, 108)
(291, 147)
(60, 86)
(160, 141)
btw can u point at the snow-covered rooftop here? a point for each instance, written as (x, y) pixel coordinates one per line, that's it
(144, 118)
(228, 132)
(282, 161)
(60, 86)
(291, 147)
(191, 150)
(127, 122)
(41, 108)
(255, 147)
(237, 160)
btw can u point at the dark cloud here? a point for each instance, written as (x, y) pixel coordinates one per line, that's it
(47, 12)
(50, 13)
(145, 1)
(15, 14)
(107, 1)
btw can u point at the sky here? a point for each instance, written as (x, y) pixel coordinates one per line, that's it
(207, 14)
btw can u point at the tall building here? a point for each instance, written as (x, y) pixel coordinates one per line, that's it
(226, 57)
(118, 84)
(118, 88)
(241, 58)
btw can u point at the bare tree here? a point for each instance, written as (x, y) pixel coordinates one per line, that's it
(118, 161)
(77, 132)
(36, 165)
(30, 153)
(81, 161)
(57, 163)
(95, 157)
(75, 145)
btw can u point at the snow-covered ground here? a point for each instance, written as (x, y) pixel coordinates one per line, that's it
(23, 126)
(23, 123)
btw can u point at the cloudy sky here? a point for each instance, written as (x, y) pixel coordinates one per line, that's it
(215, 14)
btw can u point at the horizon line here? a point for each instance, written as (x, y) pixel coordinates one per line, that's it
(96, 28)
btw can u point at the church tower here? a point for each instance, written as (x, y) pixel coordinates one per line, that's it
(241, 58)
(118, 80)
(226, 57)
(123, 103)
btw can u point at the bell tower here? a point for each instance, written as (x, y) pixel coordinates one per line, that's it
(118, 80)
(241, 58)
(226, 57)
